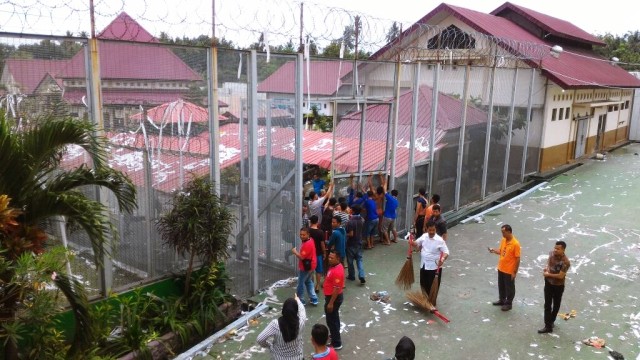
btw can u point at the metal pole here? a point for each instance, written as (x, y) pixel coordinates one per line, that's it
(363, 117)
(465, 104)
(394, 128)
(412, 146)
(487, 141)
(214, 124)
(243, 177)
(434, 119)
(334, 123)
(212, 93)
(254, 229)
(298, 183)
(510, 129)
(526, 131)
(92, 18)
(95, 103)
(269, 179)
(148, 179)
(301, 46)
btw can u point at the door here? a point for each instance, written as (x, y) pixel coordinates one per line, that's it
(581, 138)
(602, 124)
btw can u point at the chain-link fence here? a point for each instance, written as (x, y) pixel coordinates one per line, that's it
(464, 132)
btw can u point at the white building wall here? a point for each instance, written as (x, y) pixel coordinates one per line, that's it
(557, 131)
(634, 129)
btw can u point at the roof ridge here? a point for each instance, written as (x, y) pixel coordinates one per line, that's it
(124, 27)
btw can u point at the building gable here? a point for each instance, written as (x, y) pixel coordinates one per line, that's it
(577, 67)
(126, 28)
(545, 26)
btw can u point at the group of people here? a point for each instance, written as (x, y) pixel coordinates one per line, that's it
(335, 229)
(283, 337)
(434, 251)
(554, 275)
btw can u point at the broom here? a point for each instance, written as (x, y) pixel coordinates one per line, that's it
(435, 285)
(405, 278)
(419, 299)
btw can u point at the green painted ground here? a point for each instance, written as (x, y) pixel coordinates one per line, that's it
(594, 208)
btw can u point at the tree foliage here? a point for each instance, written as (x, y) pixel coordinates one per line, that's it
(393, 32)
(625, 47)
(197, 226)
(39, 189)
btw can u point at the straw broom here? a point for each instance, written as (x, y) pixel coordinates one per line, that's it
(405, 278)
(420, 299)
(435, 285)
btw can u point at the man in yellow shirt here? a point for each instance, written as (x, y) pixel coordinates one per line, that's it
(508, 264)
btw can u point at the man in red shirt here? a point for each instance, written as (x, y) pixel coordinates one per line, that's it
(306, 266)
(333, 285)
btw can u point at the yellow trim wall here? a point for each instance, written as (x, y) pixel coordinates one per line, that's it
(554, 156)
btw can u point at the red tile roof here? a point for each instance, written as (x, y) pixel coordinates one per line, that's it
(574, 68)
(125, 28)
(324, 74)
(119, 60)
(449, 116)
(177, 111)
(28, 73)
(550, 24)
(126, 154)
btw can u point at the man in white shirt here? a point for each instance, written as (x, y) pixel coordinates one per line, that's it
(316, 203)
(433, 252)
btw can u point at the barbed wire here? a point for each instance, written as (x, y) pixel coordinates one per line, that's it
(279, 21)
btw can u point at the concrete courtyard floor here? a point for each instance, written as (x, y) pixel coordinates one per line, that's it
(595, 208)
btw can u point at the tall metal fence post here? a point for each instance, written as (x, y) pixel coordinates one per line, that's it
(487, 142)
(240, 238)
(434, 119)
(149, 219)
(411, 175)
(510, 128)
(269, 180)
(528, 122)
(298, 162)
(254, 229)
(92, 64)
(463, 125)
(394, 127)
(214, 122)
(363, 119)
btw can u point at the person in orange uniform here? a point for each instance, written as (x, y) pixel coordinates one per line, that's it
(333, 285)
(508, 264)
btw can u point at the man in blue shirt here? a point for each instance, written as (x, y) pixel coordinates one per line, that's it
(338, 238)
(318, 184)
(371, 221)
(390, 214)
(354, 228)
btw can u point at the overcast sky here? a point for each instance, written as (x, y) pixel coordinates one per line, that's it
(244, 20)
(612, 16)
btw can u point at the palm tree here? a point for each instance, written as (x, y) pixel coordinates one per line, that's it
(30, 175)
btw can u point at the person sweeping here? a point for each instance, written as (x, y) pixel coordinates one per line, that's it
(433, 253)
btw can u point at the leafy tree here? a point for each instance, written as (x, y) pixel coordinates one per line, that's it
(393, 32)
(197, 226)
(30, 175)
(320, 122)
(626, 48)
